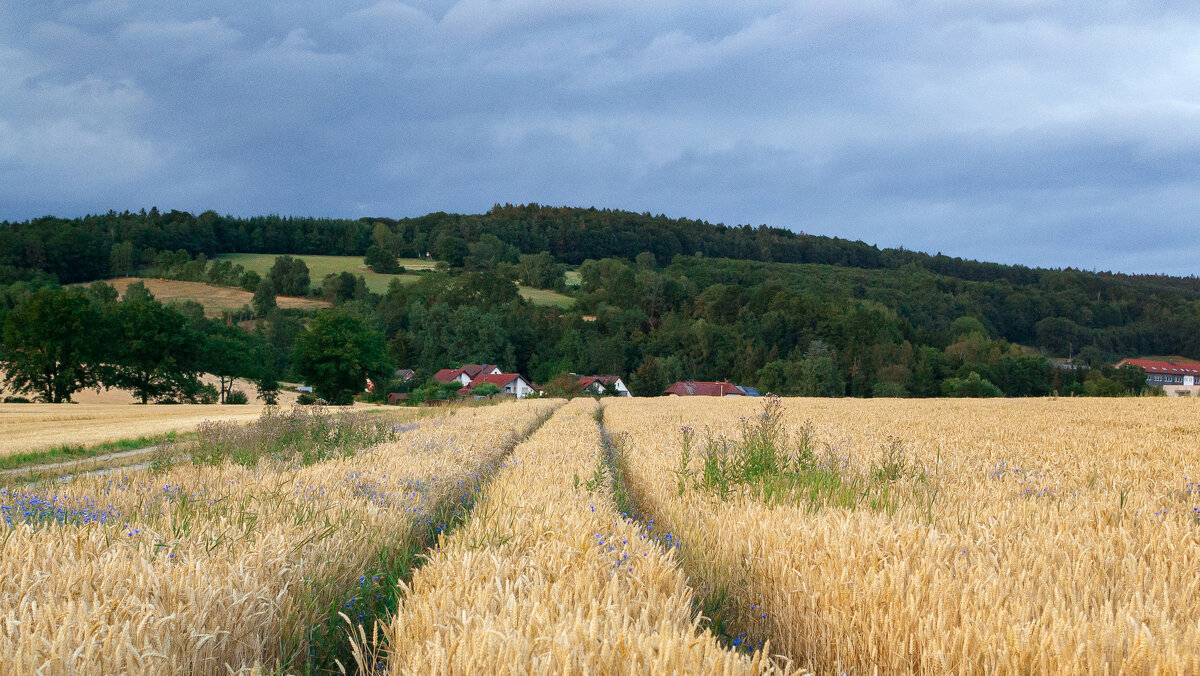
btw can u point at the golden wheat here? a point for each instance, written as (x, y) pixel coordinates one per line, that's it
(546, 577)
(1026, 536)
(34, 427)
(205, 570)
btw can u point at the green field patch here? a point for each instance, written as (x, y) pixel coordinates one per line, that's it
(321, 266)
(546, 297)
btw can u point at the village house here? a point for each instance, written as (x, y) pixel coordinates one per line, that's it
(1176, 378)
(465, 374)
(404, 375)
(600, 385)
(509, 383)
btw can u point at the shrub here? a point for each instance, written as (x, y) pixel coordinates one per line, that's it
(236, 397)
(973, 385)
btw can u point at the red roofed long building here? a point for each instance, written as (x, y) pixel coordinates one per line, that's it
(691, 388)
(1175, 377)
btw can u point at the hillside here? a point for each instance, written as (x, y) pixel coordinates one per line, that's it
(665, 299)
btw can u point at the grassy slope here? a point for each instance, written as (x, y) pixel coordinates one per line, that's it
(319, 266)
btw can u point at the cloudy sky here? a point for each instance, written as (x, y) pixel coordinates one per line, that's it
(1045, 132)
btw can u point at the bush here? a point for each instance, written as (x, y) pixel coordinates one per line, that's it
(306, 399)
(17, 400)
(236, 397)
(486, 390)
(380, 260)
(973, 385)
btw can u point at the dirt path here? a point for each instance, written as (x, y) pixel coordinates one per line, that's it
(79, 461)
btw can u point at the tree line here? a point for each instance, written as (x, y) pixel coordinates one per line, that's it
(657, 300)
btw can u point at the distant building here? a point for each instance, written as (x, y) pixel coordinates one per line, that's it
(1174, 377)
(465, 374)
(395, 398)
(692, 388)
(604, 385)
(509, 383)
(749, 391)
(404, 374)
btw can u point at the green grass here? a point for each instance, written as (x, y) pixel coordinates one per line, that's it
(68, 452)
(573, 278)
(547, 297)
(320, 266)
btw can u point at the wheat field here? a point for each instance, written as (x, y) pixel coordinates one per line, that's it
(1010, 536)
(218, 569)
(548, 578)
(935, 536)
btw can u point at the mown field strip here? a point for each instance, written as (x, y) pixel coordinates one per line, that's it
(547, 577)
(30, 427)
(1039, 536)
(212, 569)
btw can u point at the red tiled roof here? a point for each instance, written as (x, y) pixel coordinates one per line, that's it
(691, 388)
(603, 380)
(472, 370)
(1179, 368)
(446, 375)
(586, 381)
(497, 379)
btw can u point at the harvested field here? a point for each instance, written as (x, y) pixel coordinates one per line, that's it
(215, 299)
(32, 427)
(110, 416)
(935, 536)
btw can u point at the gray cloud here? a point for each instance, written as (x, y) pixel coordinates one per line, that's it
(1045, 133)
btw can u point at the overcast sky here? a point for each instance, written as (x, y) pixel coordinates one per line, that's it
(1043, 132)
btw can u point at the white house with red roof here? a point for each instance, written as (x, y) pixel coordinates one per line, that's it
(465, 374)
(509, 383)
(604, 385)
(1176, 378)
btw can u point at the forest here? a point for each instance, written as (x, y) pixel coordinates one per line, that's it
(656, 299)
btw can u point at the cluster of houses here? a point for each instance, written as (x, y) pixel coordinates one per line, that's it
(471, 376)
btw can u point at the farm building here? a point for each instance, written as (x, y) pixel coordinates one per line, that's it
(465, 374)
(604, 385)
(1174, 377)
(691, 388)
(509, 383)
(404, 374)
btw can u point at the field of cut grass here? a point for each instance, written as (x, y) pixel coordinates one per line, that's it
(35, 427)
(215, 299)
(320, 266)
(546, 297)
